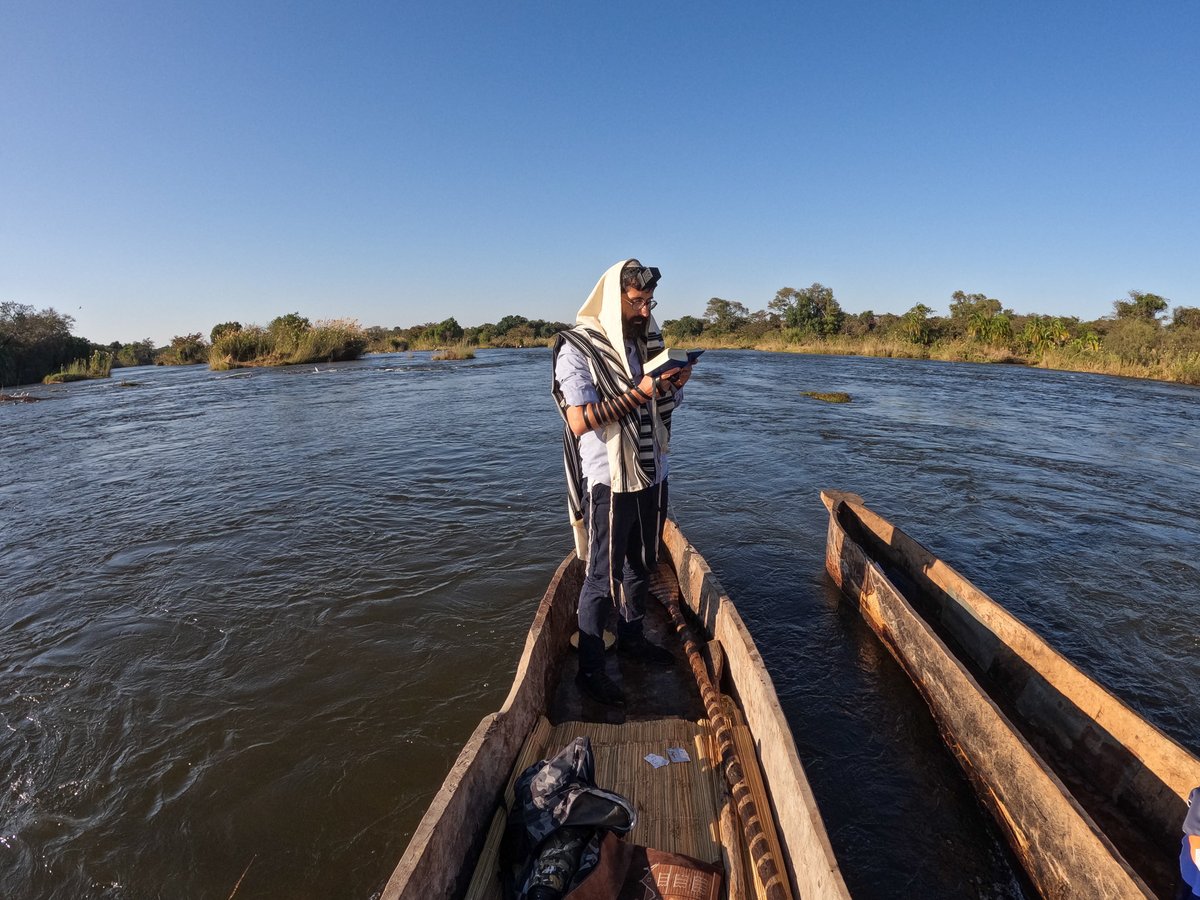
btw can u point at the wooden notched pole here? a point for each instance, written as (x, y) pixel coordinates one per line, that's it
(770, 872)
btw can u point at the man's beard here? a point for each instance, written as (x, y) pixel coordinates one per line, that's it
(635, 326)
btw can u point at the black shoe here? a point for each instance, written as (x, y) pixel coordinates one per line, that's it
(600, 688)
(641, 649)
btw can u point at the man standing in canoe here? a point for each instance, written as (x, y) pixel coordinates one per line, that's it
(617, 425)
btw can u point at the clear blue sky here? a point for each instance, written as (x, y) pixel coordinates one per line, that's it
(165, 166)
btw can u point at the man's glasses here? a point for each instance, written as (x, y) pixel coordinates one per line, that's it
(642, 301)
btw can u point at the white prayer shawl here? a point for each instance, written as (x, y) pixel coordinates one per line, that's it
(601, 316)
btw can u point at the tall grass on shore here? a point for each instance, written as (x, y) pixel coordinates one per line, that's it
(290, 343)
(98, 365)
(1183, 368)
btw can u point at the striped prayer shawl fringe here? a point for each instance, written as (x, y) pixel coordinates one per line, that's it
(636, 459)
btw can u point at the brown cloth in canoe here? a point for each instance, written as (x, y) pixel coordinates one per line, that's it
(631, 872)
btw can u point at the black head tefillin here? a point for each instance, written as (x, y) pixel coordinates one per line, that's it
(647, 278)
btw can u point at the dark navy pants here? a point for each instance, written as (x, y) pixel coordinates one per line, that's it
(623, 535)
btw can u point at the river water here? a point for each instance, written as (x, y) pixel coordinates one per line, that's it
(247, 620)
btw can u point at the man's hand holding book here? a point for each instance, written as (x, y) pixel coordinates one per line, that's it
(672, 365)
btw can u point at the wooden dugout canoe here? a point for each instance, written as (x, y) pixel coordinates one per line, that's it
(465, 817)
(1090, 795)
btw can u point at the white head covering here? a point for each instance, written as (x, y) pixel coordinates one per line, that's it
(602, 311)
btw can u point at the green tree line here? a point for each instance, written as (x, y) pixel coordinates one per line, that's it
(1138, 338)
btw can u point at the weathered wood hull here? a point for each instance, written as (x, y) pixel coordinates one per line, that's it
(439, 857)
(1090, 795)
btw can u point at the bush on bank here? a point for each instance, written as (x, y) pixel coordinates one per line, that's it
(184, 350)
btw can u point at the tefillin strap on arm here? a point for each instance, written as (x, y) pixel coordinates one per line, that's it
(597, 415)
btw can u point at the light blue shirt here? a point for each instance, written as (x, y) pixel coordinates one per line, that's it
(574, 376)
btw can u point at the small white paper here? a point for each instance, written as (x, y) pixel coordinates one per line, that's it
(678, 754)
(657, 761)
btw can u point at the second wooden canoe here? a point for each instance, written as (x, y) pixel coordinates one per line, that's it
(1090, 795)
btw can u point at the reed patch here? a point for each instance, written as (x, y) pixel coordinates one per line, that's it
(98, 365)
(459, 351)
(287, 340)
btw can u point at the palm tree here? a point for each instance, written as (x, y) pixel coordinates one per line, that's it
(1043, 332)
(988, 327)
(916, 325)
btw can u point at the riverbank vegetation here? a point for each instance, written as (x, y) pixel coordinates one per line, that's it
(1137, 340)
(1143, 337)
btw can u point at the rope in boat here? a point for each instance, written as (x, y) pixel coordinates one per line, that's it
(666, 588)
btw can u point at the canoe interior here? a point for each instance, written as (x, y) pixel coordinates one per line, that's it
(677, 804)
(1129, 777)
(439, 861)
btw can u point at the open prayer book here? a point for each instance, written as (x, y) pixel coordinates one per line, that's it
(669, 360)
